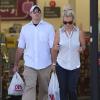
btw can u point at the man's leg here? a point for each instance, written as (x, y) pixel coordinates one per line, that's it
(43, 81)
(30, 77)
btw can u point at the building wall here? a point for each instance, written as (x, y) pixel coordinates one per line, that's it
(83, 13)
(81, 8)
(55, 21)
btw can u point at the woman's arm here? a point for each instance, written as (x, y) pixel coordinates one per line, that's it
(55, 50)
(82, 41)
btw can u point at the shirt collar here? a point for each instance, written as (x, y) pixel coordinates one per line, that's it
(74, 28)
(41, 21)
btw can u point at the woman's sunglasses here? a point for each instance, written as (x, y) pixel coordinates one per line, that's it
(65, 22)
(36, 11)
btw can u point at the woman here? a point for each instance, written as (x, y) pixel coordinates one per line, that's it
(68, 44)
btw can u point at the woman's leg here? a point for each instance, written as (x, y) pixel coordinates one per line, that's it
(62, 78)
(73, 80)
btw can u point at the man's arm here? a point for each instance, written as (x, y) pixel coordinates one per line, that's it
(19, 53)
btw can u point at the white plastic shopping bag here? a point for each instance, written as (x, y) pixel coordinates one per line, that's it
(53, 89)
(16, 86)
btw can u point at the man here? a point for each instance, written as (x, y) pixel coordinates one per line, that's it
(35, 42)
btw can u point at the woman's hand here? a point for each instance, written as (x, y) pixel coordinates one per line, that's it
(15, 69)
(81, 48)
(53, 67)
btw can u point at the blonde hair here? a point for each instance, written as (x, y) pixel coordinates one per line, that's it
(68, 12)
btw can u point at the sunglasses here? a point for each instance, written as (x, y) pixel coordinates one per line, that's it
(36, 11)
(65, 22)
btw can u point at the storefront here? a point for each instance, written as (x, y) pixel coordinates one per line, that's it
(89, 83)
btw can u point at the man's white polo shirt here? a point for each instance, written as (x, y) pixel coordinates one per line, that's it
(36, 42)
